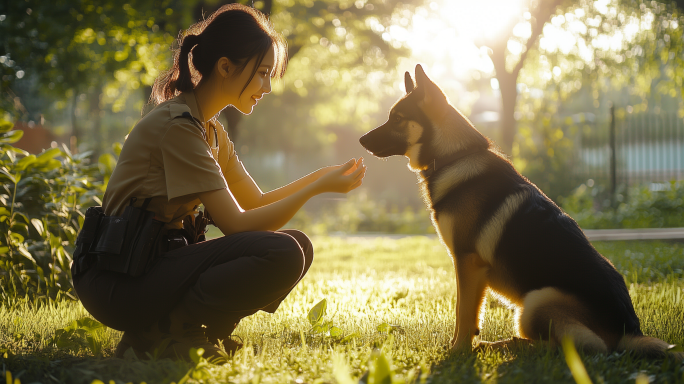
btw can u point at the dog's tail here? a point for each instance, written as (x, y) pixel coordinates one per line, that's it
(648, 347)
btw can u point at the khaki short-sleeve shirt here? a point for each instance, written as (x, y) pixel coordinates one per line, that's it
(167, 157)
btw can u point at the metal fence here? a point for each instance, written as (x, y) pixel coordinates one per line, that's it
(630, 149)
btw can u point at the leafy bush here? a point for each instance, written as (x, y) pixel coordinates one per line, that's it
(644, 207)
(41, 202)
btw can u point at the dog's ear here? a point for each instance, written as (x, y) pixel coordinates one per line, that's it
(408, 82)
(421, 77)
(430, 92)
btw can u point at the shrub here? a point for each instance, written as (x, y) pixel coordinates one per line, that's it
(644, 208)
(41, 210)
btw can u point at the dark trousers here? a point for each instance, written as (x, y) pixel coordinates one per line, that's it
(215, 283)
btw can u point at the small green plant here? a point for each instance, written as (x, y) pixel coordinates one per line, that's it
(318, 325)
(80, 334)
(200, 369)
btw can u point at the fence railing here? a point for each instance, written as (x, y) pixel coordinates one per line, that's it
(647, 147)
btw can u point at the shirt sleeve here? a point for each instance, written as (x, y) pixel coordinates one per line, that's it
(189, 167)
(231, 166)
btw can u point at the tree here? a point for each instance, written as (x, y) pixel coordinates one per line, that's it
(592, 54)
(103, 50)
(523, 33)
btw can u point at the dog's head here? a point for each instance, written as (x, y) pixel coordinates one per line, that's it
(422, 126)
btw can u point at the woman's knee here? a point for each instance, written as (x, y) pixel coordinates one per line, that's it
(302, 239)
(289, 256)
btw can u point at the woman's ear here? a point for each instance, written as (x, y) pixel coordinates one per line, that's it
(225, 67)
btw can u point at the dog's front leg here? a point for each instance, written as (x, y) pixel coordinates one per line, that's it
(471, 282)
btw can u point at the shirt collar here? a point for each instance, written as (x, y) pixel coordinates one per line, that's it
(191, 101)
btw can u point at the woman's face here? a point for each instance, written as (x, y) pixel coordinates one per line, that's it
(258, 86)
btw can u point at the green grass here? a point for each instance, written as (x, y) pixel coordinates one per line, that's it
(368, 282)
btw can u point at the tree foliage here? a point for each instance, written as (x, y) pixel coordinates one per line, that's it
(66, 45)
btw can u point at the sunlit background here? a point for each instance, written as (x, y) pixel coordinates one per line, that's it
(539, 77)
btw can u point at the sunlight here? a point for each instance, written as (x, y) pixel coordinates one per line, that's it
(443, 35)
(481, 19)
(446, 32)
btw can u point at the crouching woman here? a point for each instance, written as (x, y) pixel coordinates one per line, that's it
(178, 156)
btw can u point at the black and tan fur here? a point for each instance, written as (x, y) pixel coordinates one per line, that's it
(504, 234)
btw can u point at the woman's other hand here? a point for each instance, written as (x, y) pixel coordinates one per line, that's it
(341, 178)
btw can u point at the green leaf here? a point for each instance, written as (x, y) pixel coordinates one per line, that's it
(95, 346)
(350, 336)
(106, 163)
(38, 225)
(19, 228)
(16, 150)
(388, 328)
(11, 137)
(49, 154)
(5, 126)
(335, 332)
(17, 237)
(87, 324)
(22, 249)
(196, 354)
(22, 215)
(5, 172)
(25, 162)
(380, 372)
(317, 312)
(116, 147)
(4, 250)
(321, 328)
(572, 358)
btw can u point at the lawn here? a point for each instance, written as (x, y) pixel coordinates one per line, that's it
(390, 305)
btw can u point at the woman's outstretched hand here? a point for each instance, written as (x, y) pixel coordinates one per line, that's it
(341, 178)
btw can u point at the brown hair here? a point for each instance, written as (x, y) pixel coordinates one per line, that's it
(235, 31)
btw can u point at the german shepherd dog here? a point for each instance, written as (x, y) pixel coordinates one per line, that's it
(505, 235)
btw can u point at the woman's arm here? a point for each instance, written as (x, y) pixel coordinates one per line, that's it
(249, 196)
(229, 218)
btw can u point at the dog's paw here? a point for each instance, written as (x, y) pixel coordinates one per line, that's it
(503, 345)
(458, 348)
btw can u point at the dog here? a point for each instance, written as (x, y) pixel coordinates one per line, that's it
(505, 235)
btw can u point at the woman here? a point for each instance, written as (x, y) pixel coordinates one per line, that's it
(178, 156)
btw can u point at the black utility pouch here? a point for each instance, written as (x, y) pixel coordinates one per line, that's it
(85, 239)
(128, 244)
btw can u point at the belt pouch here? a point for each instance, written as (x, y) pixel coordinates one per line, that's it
(144, 249)
(111, 247)
(85, 239)
(128, 244)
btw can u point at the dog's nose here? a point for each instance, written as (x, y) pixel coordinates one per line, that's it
(363, 140)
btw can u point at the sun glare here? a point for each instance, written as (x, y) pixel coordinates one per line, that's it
(444, 33)
(482, 18)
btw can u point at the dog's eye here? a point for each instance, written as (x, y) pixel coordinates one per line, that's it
(397, 118)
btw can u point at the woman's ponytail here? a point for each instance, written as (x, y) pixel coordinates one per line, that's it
(184, 81)
(235, 31)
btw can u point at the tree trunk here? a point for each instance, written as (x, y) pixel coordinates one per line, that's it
(509, 96)
(96, 118)
(73, 140)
